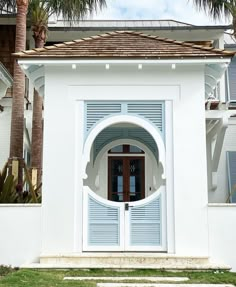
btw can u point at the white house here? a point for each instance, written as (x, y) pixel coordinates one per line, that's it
(139, 149)
(125, 152)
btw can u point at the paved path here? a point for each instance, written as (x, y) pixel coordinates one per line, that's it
(137, 278)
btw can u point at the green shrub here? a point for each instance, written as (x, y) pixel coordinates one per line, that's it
(13, 192)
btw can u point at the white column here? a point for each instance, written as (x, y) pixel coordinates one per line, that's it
(169, 177)
(78, 192)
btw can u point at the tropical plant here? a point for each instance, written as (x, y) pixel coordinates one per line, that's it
(219, 8)
(13, 192)
(39, 12)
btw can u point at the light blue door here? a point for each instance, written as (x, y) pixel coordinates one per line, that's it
(125, 226)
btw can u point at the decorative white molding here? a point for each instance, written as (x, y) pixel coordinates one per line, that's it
(217, 134)
(36, 73)
(123, 119)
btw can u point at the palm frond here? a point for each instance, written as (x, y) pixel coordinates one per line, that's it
(74, 10)
(7, 6)
(215, 8)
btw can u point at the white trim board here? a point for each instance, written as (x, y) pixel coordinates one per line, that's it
(124, 92)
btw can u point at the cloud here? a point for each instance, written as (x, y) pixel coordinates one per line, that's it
(181, 10)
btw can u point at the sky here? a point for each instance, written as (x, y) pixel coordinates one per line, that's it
(181, 10)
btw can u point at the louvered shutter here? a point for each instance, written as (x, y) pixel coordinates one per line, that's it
(96, 111)
(232, 80)
(153, 111)
(145, 224)
(231, 168)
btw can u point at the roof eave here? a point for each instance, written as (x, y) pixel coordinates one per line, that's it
(128, 60)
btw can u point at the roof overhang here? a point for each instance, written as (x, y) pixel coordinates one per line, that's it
(34, 68)
(6, 80)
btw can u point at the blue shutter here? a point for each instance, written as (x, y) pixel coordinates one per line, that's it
(231, 164)
(145, 224)
(153, 111)
(103, 224)
(96, 111)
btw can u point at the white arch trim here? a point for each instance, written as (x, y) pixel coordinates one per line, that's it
(123, 119)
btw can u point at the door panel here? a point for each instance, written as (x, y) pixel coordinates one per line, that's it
(103, 223)
(125, 179)
(144, 226)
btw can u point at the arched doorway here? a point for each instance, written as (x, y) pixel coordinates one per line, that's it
(124, 193)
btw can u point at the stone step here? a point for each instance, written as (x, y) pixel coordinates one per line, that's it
(126, 260)
(131, 278)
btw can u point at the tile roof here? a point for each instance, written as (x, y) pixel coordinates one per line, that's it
(124, 44)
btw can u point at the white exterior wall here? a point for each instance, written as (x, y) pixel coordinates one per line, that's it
(221, 193)
(190, 172)
(62, 202)
(21, 233)
(222, 237)
(58, 165)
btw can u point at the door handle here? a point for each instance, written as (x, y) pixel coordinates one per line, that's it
(127, 206)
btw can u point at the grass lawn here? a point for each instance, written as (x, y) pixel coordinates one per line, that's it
(51, 278)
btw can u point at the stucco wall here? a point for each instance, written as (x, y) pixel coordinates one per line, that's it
(63, 140)
(222, 235)
(21, 234)
(221, 193)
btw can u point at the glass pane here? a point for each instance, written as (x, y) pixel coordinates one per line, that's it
(135, 179)
(117, 180)
(117, 149)
(135, 149)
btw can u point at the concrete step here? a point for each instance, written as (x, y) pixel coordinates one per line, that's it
(126, 260)
(129, 278)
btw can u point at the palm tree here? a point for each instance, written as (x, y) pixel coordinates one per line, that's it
(38, 12)
(219, 8)
(17, 118)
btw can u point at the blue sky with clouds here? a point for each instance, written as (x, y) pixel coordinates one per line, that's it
(181, 10)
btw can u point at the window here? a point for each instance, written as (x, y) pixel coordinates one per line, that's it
(125, 149)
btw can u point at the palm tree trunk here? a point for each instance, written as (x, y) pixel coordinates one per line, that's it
(37, 136)
(37, 127)
(17, 118)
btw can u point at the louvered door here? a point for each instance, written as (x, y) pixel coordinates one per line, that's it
(145, 224)
(124, 226)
